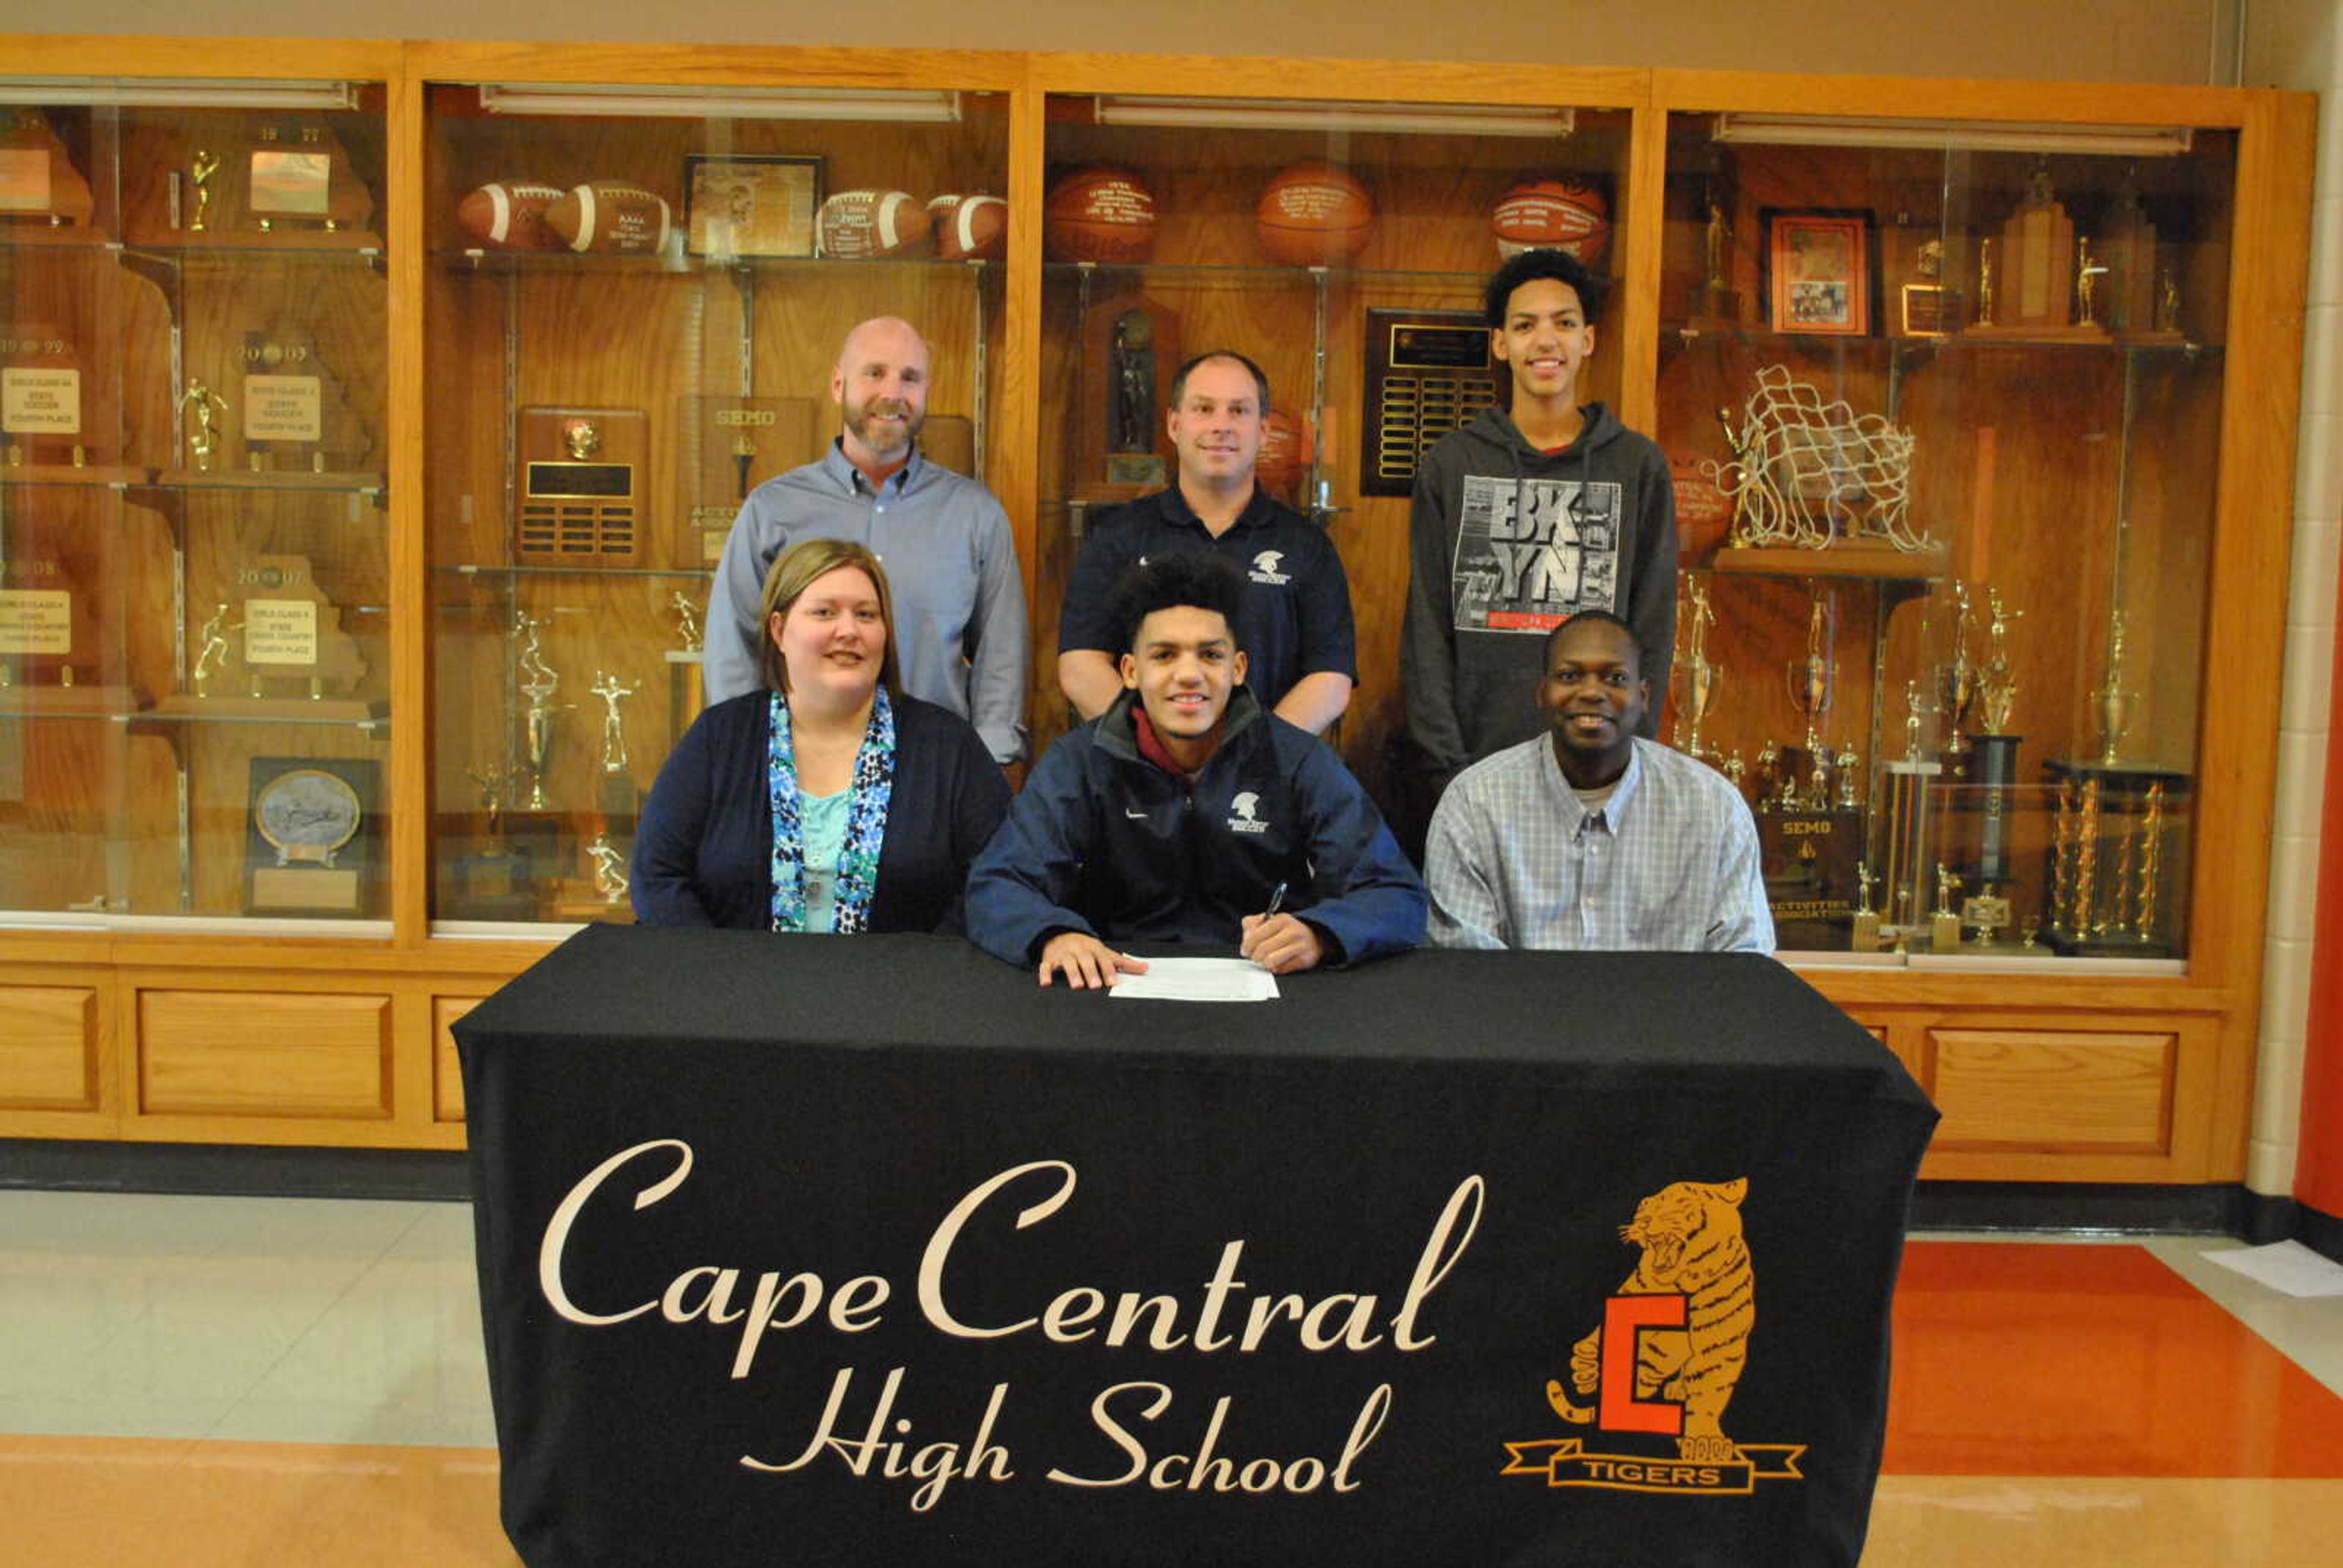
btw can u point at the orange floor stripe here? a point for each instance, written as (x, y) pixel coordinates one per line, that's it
(2018, 1359)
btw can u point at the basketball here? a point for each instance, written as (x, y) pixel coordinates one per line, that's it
(1099, 215)
(1285, 451)
(1313, 214)
(971, 227)
(1559, 214)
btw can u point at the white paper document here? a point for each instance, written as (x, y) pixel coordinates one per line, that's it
(2288, 1266)
(1200, 979)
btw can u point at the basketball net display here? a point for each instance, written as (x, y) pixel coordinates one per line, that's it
(1811, 474)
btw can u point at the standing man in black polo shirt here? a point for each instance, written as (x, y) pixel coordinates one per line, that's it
(1296, 625)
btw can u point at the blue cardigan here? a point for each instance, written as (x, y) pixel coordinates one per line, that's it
(704, 852)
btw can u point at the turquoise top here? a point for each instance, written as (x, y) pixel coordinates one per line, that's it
(822, 821)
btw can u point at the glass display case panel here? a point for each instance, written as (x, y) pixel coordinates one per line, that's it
(1341, 247)
(609, 389)
(1943, 406)
(192, 495)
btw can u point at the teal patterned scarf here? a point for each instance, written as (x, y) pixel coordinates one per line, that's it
(866, 820)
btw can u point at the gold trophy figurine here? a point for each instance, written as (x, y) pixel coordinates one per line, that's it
(2088, 270)
(215, 633)
(1944, 920)
(1866, 934)
(1850, 775)
(538, 686)
(1702, 679)
(1912, 721)
(1812, 679)
(1958, 679)
(1998, 684)
(1984, 283)
(203, 440)
(2111, 702)
(200, 170)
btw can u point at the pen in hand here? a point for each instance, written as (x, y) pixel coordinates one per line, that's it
(1276, 901)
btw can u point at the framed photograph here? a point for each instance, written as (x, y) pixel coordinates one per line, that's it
(1818, 267)
(750, 204)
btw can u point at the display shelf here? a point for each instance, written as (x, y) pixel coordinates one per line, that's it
(492, 572)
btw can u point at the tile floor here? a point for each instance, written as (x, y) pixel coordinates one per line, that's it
(288, 1382)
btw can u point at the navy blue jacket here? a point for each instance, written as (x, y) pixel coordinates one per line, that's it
(1105, 841)
(704, 853)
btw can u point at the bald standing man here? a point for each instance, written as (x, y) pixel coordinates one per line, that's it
(959, 598)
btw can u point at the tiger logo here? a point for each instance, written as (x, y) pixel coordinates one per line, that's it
(1690, 1232)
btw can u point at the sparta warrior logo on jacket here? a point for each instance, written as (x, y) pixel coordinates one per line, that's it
(1531, 553)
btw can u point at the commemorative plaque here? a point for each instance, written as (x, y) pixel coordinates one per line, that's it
(1428, 372)
(741, 442)
(297, 423)
(582, 483)
(40, 189)
(297, 182)
(51, 653)
(311, 843)
(42, 419)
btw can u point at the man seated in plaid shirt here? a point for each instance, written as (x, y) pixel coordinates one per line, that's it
(1589, 837)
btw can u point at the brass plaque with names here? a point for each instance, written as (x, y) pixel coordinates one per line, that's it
(40, 401)
(283, 408)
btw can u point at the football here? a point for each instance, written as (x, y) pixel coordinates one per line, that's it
(609, 217)
(1560, 214)
(871, 225)
(510, 215)
(971, 227)
(1313, 214)
(1099, 215)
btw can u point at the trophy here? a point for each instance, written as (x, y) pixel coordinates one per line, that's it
(1812, 681)
(308, 850)
(1850, 776)
(1985, 284)
(1702, 679)
(1130, 350)
(2044, 269)
(298, 184)
(1929, 307)
(293, 633)
(494, 881)
(1715, 305)
(213, 658)
(203, 439)
(686, 688)
(1957, 681)
(38, 183)
(617, 798)
(47, 430)
(539, 683)
(741, 442)
(2111, 704)
(1944, 920)
(2135, 281)
(609, 869)
(53, 651)
(202, 169)
(297, 409)
(1864, 935)
(1909, 782)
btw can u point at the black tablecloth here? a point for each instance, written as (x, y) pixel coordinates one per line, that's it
(1342, 1241)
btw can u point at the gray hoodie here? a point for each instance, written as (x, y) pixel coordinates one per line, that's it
(1505, 543)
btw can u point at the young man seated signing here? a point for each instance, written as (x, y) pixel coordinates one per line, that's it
(1187, 812)
(1590, 837)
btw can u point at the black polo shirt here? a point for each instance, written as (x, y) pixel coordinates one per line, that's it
(1296, 619)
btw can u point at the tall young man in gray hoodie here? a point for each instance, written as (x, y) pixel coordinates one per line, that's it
(1520, 521)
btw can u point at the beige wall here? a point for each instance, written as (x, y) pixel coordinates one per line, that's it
(2171, 41)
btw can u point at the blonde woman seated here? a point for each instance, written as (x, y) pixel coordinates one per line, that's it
(831, 802)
